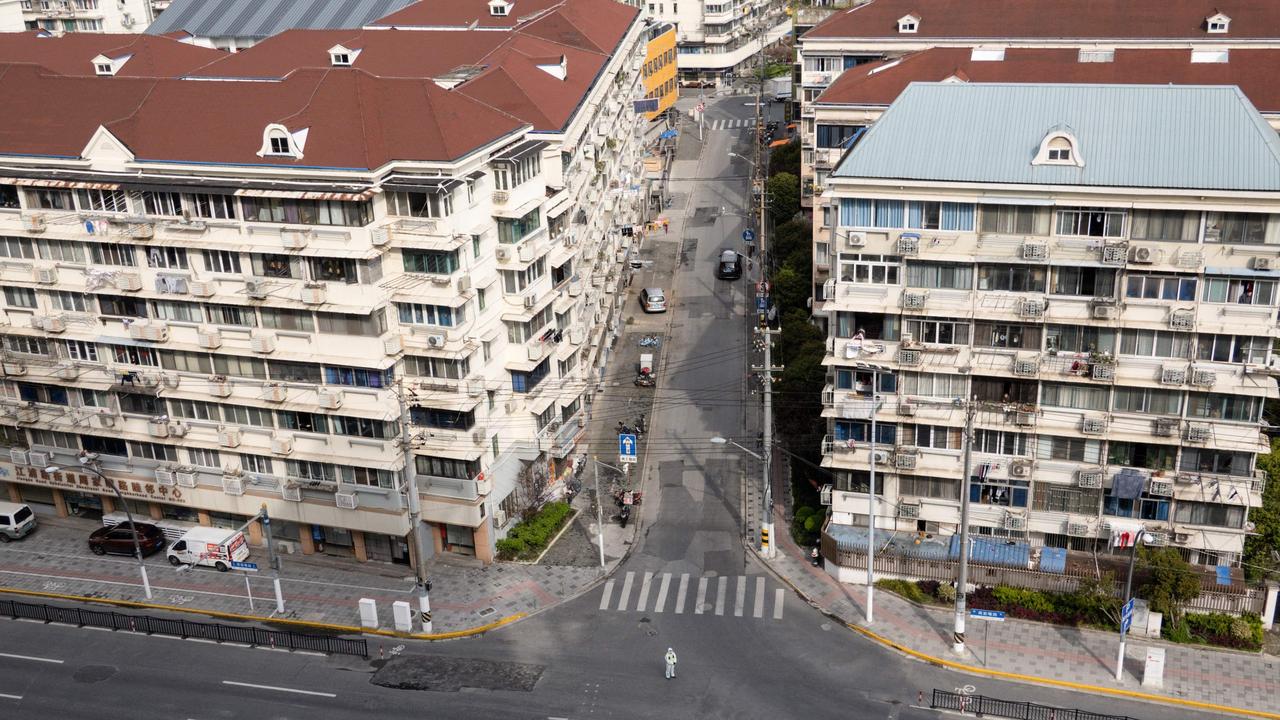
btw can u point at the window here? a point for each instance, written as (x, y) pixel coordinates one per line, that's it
(1087, 281)
(20, 297)
(239, 366)
(50, 200)
(1221, 462)
(104, 445)
(1195, 513)
(362, 427)
(860, 381)
(1006, 335)
(16, 247)
(941, 331)
(519, 332)
(293, 372)
(822, 64)
(141, 404)
(510, 174)
(860, 431)
(122, 255)
(49, 438)
(48, 394)
(342, 270)
(442, 419)
(213, 207)
(515, 282)
(875, 326)
(282, 319)
(251, 416)
(447, 467)
(436, 315)
(1232, 348)
(523, 382)
(80, 350)
(1066, 499)
(990, 491)
(306, 212)
(1155, 343)
(200, 457)
(928, 487)
(1059, 150)
(1080, 397)
(836, 136)
(231, 315)
(171, 258)
(1219, 406)
(437, 367)
(932, 436)
(310, 471)
(1091, 222)
(869, 269)
(956, 217)
(259, 464)
(120, 306)
(427, 205)
(1015, 220)
(26, 345)
(1242, 228)
(1068, 448)
(934, 385)
(274, 266)
(162, 203)
(103, 200)
(1148, 401)
(1079, 339)
(303, 421)
(194, 410)
(68, 301)
(187, 362)
(362, 377)
(435, 262)
(1148, 456)
(61, 250)
(341, 58)
(1000, 442)
(1012, 278)
(1241, 291)
(863, 212)
(368, 477)
(222, 261)
(1151, 286)
(153, 451)
(371, 325)
(949, 276)
(1145, 507)
(278, 143)
(511, 231)
(1167, 225)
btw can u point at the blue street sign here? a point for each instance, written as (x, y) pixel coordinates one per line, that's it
(762, 303)
(1125, 623)
(1127, 610)
(748, 235)
(627, 448)
(992, 615)
(246, 566)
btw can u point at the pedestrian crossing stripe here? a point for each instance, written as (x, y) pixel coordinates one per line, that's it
(729, 123)
(668, 593)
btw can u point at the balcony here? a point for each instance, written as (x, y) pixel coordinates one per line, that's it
(450, 487)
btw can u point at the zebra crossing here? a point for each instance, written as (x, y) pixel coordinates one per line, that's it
(738, 596)
(729, 123)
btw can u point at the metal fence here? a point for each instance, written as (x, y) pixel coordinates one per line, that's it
(981, 705)
(285, 639)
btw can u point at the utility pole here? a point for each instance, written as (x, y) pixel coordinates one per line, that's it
(409, 480)
(962, 585)
(871, 500)
(272, 560)
(599, 511)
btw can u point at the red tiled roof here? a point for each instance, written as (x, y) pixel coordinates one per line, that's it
(1050, 19)
(1253, 70)
(463, 13)
(73, 53)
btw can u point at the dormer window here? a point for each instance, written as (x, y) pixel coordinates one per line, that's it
(499, 8)
(279, 144)
(103, 65)
(278, 141)
(341, 56)
(1217, 23)
(341, 59)
(1059, 147)
(104, 69)
(908, 23)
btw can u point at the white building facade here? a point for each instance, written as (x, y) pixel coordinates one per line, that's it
(70, 16)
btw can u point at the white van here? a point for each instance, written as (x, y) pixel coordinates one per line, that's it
(215, 547)
(16, 521)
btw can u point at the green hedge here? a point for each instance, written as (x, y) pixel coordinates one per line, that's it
(907, 589)
(530, 537)
(1242, 633)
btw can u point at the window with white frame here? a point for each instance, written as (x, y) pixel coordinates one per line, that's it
(1155, 343)
(210, 206)
(511, 174)
(67, 251)
(114, 201)
(938, 385)
(1148, 401)
(106, 254)
(870, 269)
(1241, 228)
(200, 457)
(939, 437)
(1015, 220)
(1165, 225)
(939, 330)
(1220, 406)
(222, 261)
(1239, 291)
(1079, 338)
(169, 258)
(1155, 286)
(1091, 222)
(1000, 442)
(934, 275)
(80, 350)
(16, 247)
(1232, 348)
(162, 203)
(515, 282)
(434, 315)
(425, 205)
(1074, 449)
(259, 464)
(1079, 397)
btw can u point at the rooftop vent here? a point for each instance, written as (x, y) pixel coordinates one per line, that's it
(986, 54)
(1096, 55)
(1209, 56)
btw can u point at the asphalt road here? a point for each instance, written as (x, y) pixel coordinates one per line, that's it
(747, 647)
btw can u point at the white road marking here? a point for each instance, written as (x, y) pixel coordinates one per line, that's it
(740, 598)
(278, 689)
(722, 584)
(626, 591)
(661, 602)
(34, 659)
(778, 597)
(680, 594)
(759, 609)
(608, 593)
(10, 697)
(644, 592)
(702, 596)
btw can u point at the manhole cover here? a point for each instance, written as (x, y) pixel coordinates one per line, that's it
(486, 611)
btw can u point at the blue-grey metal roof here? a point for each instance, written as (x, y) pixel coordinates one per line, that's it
(264, 18)
(1151, 136)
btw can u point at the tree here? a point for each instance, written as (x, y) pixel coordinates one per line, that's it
(788, 238)
(1260, 548)
(784, 197)
(786, 159)
(1170, 581)
(791, 288)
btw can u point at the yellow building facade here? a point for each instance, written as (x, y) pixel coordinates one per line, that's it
(660, 68)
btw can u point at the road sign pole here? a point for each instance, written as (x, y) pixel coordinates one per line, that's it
(248, 591)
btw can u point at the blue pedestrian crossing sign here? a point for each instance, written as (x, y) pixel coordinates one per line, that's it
(1126, 617)
(748, 235)
(627, 448)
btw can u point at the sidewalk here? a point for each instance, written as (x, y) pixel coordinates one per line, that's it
(1038, 651)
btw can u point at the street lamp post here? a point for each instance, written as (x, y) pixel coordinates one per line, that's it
(871, 486)
(1139, 536)
(600, 504)
(137, 549)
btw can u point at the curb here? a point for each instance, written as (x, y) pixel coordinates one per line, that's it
(344, 629)
(1033, 679)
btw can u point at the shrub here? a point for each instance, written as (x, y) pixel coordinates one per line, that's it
(509, 547)
(1014, 600)
(946, 593)
(529, 537)
(1244, 633)
(907, 589)
(803, 513)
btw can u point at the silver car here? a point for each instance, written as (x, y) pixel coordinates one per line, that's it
(653, 300)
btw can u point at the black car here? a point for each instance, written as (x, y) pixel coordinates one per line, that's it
(118, 539)
(730, 265)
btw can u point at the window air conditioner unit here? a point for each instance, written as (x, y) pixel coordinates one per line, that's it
(1164, 427)
(1014, 522)
(906, 409)
(33, 223)
(905, 458)
(1031, 308)
(329, 399)
(824, 495)
(914, 300)
(1161, 488)
(40, 458)
(275, 392)
(1020, 469)
(1103, 371)
(19, 457)
(263, 343)
(314, 293)
(1172, 376)
(1198, 433)
(232, 485)
(128, 281)
(295, 239)
(1263, 263)
(202, 288)
(49, 323)
(1089, 479)
(178, 429)
(1093, 426)
(393, 345)
(1157, 538)
(1145, 255)
(229, 436)
(185, 478)
(1115, 253)
(1078, 529)
(291, 492)
(45, 275)
(165, 476)
(1035, 251)
(909, 357)
(346, 501)
(256, 289)
(1105, 312)
(503, 253)
(1182, 320)
(908, 510)
(158, 428)
(1203, 378)
(282, 444)
(1024, 418)
(209, 338)
(1026, 367)
(909, 244)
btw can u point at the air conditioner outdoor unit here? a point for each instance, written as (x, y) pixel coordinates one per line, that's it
(464, 283)
(150, 330)
(1024, 418)
(346, 501)
(1015, 522)
(906, 409)
(33, 223)
(477, 436)
(1089, 479)
(854, 240)
(1026, 367)
(824, 495)
(510, 406)
(1203, 378)
(19, 457)
(882, 457)
(908, 510)
(329, 399)
(436, 340)
(1020, 468)
(499, 517)
(256, 289)
(219, 387)
(503, 253)
(1172, 376)
(905, 459)
(229, 436)
(530, 300)
(178, 429)
(275, 392)
(1182, 538)
(1103, 371)
(1078, 530)
(49, 323)
(185, 478)
(209, 338)
(1263, 263)
(1144, 255)
(909, 357)
(1031, 308)
(282, 444)
(393, 345)
(909, 244)
(314, 293)
(203, 288)
(1182, 320)
(264, 343)
(914, 300)
(1115, 253)
(39, 458)
(45, 275)
(128, 281)
(1105, 312)
(1199, 433)
(1164, 427)
(232, 485)
(1035, 251)
(1157, 539)
(158, 428)
(164, 475)
(295, 239)
(1162, 488)
(1093, 426)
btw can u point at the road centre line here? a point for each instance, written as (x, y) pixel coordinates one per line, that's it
(33, 659)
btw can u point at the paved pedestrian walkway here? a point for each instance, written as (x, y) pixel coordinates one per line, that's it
(1234, 679)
